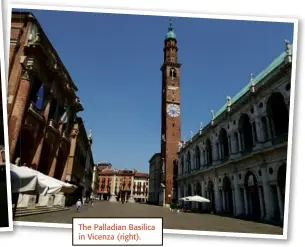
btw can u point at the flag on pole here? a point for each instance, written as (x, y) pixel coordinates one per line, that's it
(64, 117)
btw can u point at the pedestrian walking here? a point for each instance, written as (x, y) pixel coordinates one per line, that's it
(78, 205)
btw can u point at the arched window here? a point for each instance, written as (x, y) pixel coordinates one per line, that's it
(182, 165)
(224, 144)
(172, 74)
(278, 115)
(37, 94)
(208, 146)
(197, 158)
(189, 162)
(246, 133)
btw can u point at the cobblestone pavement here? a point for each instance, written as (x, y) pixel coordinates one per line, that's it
(171, 220)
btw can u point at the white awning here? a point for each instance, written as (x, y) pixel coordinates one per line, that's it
(54, 185)
(22, 180)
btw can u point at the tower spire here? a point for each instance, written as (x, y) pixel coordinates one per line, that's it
(170, 28)
(170, 34)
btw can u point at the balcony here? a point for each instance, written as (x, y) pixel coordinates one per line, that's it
(280, 139)
(53, 126)
(35, 112)
(65, 137)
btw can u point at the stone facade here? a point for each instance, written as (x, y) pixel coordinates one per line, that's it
(95, 181)
(40, 91)
(76, 165)
(238, 160)
(155, 187)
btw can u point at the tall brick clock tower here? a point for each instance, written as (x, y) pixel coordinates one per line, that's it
(170, 119)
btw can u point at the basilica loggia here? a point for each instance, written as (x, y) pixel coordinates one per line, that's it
(239, 160)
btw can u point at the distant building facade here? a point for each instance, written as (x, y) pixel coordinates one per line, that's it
(238, 160)
(155, 186)
(118, 185)
(141, 187)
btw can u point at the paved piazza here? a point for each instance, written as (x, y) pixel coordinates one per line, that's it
(171, 220)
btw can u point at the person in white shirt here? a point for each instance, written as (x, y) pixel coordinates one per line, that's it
(78, 205)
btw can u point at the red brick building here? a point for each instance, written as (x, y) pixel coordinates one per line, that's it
(40, 92)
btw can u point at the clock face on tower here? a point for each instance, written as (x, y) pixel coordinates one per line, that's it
(173, 110)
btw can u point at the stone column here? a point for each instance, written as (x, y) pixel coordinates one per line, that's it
(206, 157)
(54, 162)
(269, 127)
(261, 203)
(253, 133)
(219, 151)
(280, 202)
(18, 112)
(214, 152)
(223, 200)
(239, 141)
(131, 198)
(237, 197)
(233, 198)
(218, 201)
(246, 201)
(259, 130)
(112, 194)
(35, 161)
(269, 203)
(202, 162)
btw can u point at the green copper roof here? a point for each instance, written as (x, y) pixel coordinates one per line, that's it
(170, 34)
(257, 80)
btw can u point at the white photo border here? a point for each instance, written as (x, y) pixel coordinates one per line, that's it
(189, 15)
(5, 128)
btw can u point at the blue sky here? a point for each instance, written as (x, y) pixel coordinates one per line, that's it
(115, 62)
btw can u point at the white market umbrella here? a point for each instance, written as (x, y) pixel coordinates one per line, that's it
(197, 199)
(23, 181)
(185, 198)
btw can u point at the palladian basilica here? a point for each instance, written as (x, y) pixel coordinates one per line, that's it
(238, 160)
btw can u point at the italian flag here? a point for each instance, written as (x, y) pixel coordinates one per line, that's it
(64, 117)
